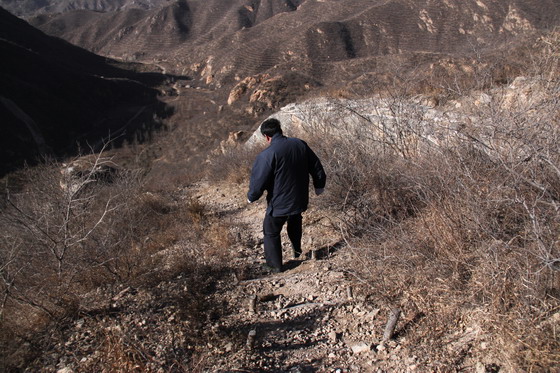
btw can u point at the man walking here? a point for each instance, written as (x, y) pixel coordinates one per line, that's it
(283, 170)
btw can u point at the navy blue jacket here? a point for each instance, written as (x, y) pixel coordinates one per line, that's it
(283, 170)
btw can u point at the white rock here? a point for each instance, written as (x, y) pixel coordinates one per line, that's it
(360, 347)
(480, 368)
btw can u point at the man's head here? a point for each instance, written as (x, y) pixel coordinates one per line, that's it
(271, 127)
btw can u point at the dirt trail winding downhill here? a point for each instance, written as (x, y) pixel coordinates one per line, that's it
(313, 317)
(307, 318)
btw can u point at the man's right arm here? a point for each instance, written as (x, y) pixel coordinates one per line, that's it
(319, 191)
(317, 172)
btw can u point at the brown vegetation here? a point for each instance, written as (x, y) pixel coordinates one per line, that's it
(69, 231)
(461, 231)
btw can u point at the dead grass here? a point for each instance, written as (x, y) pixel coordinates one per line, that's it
(59, 245)
(118, 355)
(233, 165)
(464, 233)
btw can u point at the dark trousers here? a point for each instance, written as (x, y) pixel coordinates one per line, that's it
(272, 226)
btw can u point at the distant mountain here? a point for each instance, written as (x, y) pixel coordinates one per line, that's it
(135, 33)
(227, 40)
(55, 97)
(266, 53)
(27, 8)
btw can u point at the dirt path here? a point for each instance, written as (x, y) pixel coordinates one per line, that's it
(305, 319)
(310, 318)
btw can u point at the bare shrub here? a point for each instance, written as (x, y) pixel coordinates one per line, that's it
(55, 231)
(456, 218)
(233, 165)
(66, 233)
(60, 242)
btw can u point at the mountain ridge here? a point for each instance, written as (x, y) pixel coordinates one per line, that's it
(27, 8)
(233, 39)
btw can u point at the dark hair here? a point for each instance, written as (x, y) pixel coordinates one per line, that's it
(271, 127)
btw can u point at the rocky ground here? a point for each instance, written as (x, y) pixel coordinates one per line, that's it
(308, 318)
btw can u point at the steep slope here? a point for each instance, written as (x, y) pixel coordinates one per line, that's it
(245, 37)
(321, 34)
(55, 96)
(36, 7)
(140, 34)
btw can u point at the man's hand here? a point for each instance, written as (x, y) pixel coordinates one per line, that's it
(319, 191)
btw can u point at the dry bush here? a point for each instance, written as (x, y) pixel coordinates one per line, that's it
(233, 165)
(458, 224)
(212, 232)
(66, 233)
(58, 229)
(61, 242)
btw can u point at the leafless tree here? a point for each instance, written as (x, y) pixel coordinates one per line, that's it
(58, 227)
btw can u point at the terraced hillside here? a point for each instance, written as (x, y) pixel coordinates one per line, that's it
(224, 40)
(36, 7)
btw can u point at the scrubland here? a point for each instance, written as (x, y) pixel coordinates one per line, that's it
(459, 226)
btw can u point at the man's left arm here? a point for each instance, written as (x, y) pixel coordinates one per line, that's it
(260, 175)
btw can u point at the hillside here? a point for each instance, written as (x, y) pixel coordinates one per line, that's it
(434, 223)
(334, 42)
(57, 97)
(237, 77)
(436, 122)
(28, 8)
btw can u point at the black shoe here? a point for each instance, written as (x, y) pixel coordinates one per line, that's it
(271, 269)
(297, 254)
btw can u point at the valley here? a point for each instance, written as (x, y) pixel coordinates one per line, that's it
(130, 131)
